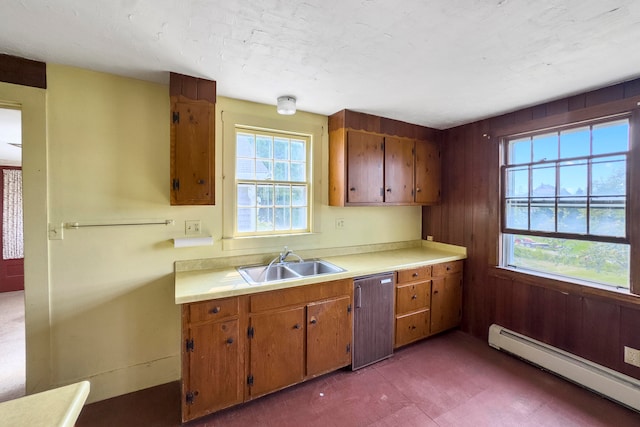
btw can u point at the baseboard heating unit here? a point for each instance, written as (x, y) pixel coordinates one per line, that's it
(609, 383)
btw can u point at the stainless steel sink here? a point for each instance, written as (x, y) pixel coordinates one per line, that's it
(255, 275)
(314, 267)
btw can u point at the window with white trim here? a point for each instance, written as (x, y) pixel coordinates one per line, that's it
(272, 182)
(565, 202)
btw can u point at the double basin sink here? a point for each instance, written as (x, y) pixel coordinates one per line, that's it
(255, 275)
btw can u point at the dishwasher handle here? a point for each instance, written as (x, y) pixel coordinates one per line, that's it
(358, 296)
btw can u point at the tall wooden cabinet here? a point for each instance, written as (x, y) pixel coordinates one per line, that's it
(379, 161)
(192, 140)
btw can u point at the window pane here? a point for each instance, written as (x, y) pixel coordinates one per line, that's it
(299, 218)
(517, 214)
(573, 178)
(281, 148)
(298, 151)
(283, 195)
(298, 172)
(265, 219)
(517, 184)
(265, 195)
(245, 169)
(246, 220)
(264, 147)
(611, 137)
(281, 172)
(520, 151)
(543, 181)
(572, 215)
(264, 170)
(246, 195)
(606, 263)
(574, 143)
(245, 145)
(298, 195)
(283, 218)
(607, 216)
(543, 214)
(609, 176)
(545, 147)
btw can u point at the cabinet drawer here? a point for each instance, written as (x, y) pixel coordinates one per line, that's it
(447, 268)
(414, 274)
(413, 297)
(300, 295)
(412, 327)
(213, 309)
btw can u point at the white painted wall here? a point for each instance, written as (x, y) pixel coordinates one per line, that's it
(100, 302)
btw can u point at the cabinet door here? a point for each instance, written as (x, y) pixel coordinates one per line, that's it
(427, 173)
(328, 335)
(192, 149)
(365, 159)
(398, 170)
(276, 350)
(411, 327)
(446, 302)
(215, 380)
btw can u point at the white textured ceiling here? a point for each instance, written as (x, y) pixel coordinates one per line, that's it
(438, 63)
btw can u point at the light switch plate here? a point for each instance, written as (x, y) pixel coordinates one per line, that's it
(56, 231)
(192, 227)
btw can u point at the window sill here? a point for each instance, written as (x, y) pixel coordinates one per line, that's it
(567, 286)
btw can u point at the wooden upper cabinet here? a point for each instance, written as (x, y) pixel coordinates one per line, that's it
(192, 140)
(428, 181)
(365, 177)
(379, 161)
(398, 170)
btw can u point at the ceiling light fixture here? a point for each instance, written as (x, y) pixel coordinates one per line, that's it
(286, 105)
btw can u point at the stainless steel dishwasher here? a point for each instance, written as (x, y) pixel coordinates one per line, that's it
(373, 319)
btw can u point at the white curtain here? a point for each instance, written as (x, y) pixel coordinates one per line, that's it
(12, 238)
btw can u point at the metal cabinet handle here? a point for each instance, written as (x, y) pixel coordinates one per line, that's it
(215, 310)
(388, 190)
(414, 296)
(296, 326)
(358, 296)
(435, 292)
(418, 190)
(201, 181)
(313, 321)
(229, 340)
(352, 189)
(415, 274)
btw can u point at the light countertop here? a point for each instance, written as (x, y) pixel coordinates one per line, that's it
(206, 284)
(59, 407)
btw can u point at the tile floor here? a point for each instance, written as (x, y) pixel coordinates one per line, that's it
(448, 380)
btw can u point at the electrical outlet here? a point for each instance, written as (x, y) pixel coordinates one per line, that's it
(56, 231)
(192, 227)
(632, 356)
(340, 223)
(430, 238)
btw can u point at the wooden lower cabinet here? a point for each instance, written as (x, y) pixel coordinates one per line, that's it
(237, 349)
(428, 301)
(276, 350)
(212, 364)
(328, 335)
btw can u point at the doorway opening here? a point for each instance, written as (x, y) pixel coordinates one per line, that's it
(12, 303)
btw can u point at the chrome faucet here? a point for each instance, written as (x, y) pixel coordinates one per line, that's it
(284, 255)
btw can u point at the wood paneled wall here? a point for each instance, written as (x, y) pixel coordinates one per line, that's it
(23, 71)
(591, 323)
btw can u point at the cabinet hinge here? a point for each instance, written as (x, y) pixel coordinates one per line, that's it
(190, 397)
(250, 332)
(176, 184)
(190, 345)
(349, 348)
(349, 308)
(250, 380)
(176, 117)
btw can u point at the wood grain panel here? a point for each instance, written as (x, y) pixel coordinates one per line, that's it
(592, 323)
(22, 71)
